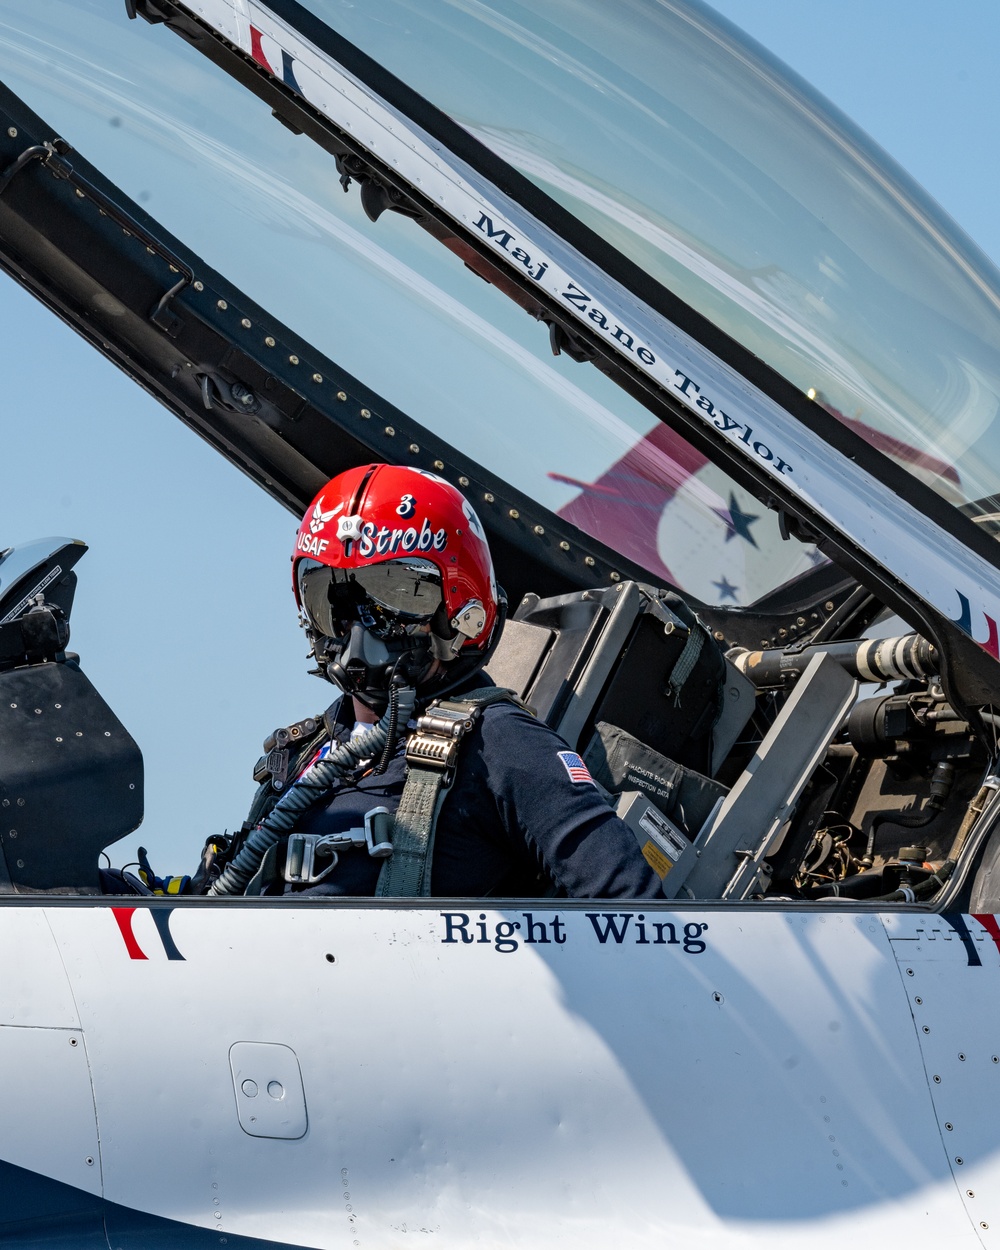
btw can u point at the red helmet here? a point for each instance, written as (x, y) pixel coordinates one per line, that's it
(402, 551)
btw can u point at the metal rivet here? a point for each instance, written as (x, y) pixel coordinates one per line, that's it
(996, 1058)
(131, 785)
(415, 449)
(293, 360)
(925, 1028)
(365, 412)
(73, 1041)
(20, 802)
(245, 323)
(539, 530)
(514, 514)
(983, 1224)
(13, 705)
(12, 131)
(564, 545)
(79, 733)
(20, 863)
(89, 1161)
(489, 497)
(269, 341)
(57, 705)
(909, 972)
(317, 377)
(38, 711)
(950, 1128)
(390, 432)
(13, 833)
(463, 481)
(919, 1001)
(58, 739)
(221, 304)
(589, 561)
(961, 1057)
(937, 1080)
(959, 1160)
(199, 286)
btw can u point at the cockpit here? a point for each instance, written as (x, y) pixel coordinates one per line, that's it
(738, 464)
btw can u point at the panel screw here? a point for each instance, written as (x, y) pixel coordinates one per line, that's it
(539, 530)
(950, 1127)
(293, 360)
(12, 131)
(222, 305)
(73, 1041)
(983, 1224)
(269, 342)
(996, 1058)
(89, 1161)
(489, 497)
(971, 1193)
(365, 413)
(342, 396)
(937, 1080)
(199, 286)
(439, 465)
(828, 606)
(390, 432)
(925, 1029)
(317, 378)
(245, 323)
(959, 1160)
(909, 972)
(20, 863)
(589, 561)
(615, 577)
(564, 545)
(414, 449)
(961, 1057)
(919, 1001)
(513, 514)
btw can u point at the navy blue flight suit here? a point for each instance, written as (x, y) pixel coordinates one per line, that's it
(515, 824)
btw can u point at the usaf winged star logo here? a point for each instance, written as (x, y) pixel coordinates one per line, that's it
(319, 517)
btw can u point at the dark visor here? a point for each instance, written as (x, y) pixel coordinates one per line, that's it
(408, 588)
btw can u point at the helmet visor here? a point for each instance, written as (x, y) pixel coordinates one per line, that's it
(408, 589)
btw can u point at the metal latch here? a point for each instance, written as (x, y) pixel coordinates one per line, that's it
(307, 851)
(436, 740)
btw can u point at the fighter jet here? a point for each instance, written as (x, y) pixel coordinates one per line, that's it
(774, 393)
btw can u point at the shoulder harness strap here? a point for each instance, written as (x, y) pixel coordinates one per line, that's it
(431, 758)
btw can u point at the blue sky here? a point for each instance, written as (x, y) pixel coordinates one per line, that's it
(184, 618)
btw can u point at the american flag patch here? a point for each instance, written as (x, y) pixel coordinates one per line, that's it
(576, 768)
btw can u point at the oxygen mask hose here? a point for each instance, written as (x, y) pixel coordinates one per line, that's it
(314, 784)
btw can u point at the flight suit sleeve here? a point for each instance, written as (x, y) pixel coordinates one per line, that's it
(545, 799)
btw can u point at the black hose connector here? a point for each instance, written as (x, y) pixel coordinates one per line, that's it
(314, 784)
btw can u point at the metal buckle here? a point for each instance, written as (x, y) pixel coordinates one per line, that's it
(436, 740)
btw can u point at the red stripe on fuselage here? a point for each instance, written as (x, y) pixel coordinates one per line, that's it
(124, 917)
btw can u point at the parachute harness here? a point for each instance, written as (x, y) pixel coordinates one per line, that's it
(314, 784)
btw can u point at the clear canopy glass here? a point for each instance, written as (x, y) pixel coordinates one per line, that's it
(385, 301)
(733, 183)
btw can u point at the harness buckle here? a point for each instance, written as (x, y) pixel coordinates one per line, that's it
(436, 740)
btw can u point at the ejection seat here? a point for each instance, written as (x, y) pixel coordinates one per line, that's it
(71, 779)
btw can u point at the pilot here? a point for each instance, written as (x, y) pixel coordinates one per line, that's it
(394, 581)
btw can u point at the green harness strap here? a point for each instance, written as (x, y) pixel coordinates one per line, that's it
(431, 756)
